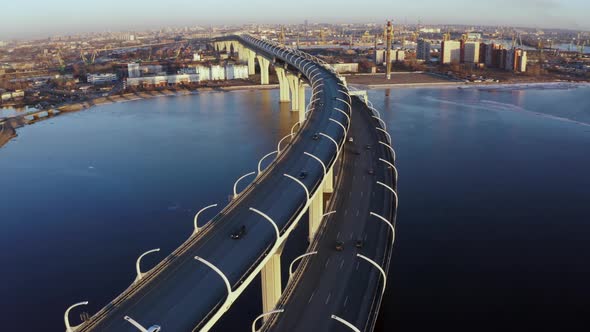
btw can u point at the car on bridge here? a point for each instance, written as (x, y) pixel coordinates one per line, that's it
(239, 233)
(339, 246)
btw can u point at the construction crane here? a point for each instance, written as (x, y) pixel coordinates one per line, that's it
(389, 38)
(282, 37)
(83, 56)
(62, 65)
(447, 36)
(580, 46)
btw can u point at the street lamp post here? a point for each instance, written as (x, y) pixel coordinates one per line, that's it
(347, 324)
(264, 315)
(137, 264)
(69, 328)
(197, 217)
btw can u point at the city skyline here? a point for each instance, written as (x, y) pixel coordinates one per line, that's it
(37, 19)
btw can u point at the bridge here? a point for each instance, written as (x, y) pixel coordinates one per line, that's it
(194, 286)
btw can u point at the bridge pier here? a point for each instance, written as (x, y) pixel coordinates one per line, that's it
(301, 102)
(329, 181)
(270, 277)
(315, 213)
(251, 55)
(294, 87)
(264, 67)
(284, 96)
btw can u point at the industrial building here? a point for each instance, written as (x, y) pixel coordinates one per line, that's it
(235, 72)
(133, 70)
(346, 67)
(397, 55)
(101, 78)
(194, 74)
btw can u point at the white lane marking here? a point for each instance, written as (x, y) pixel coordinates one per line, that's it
(311, 297)
(357, 266)
(341, 264)
(346, 300)
(351, 235)
(345, 211)
(357, 212)
(353, 177)
(362, 193)
(365, 236)
(327, 261)
(328, 298)
(337, 235)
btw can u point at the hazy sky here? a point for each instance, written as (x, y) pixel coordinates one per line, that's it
(41, 18)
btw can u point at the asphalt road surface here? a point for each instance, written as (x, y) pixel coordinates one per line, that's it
(339, 282)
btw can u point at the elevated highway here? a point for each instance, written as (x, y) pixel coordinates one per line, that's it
(340, 282)
(193, 286)
(197, 283)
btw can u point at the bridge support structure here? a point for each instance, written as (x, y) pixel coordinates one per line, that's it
(270, 277)
(284, 95)
(264, 69)
(251, 58)
(316, 210)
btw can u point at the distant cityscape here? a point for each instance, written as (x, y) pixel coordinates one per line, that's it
(59, 70)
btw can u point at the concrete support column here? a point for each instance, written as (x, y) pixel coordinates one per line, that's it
(294, 87)
(251, 62)
(283, 85)
(329, 181)
(315, 212)
(264, 67)
(270, 277)
(301, 103)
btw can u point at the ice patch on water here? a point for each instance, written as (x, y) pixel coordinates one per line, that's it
(490, 105)
(511, 107)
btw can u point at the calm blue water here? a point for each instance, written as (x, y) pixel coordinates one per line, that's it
(85, 193)
(493, 225)
(493, 220)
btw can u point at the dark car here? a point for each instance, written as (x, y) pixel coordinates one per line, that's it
(315, 137)
(339, 246)
(239, 233)
(358, 243)
(302, 175)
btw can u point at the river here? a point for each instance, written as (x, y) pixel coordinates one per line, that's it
(493, 192)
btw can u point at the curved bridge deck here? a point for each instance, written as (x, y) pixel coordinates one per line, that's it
(182, 294)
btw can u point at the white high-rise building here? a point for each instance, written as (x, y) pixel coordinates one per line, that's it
(471, 53)
(423, 50)
(450, 52)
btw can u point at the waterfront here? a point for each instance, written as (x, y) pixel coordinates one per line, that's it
(482, 191)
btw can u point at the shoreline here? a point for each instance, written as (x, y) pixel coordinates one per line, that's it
(9, 125)
(463, 85)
